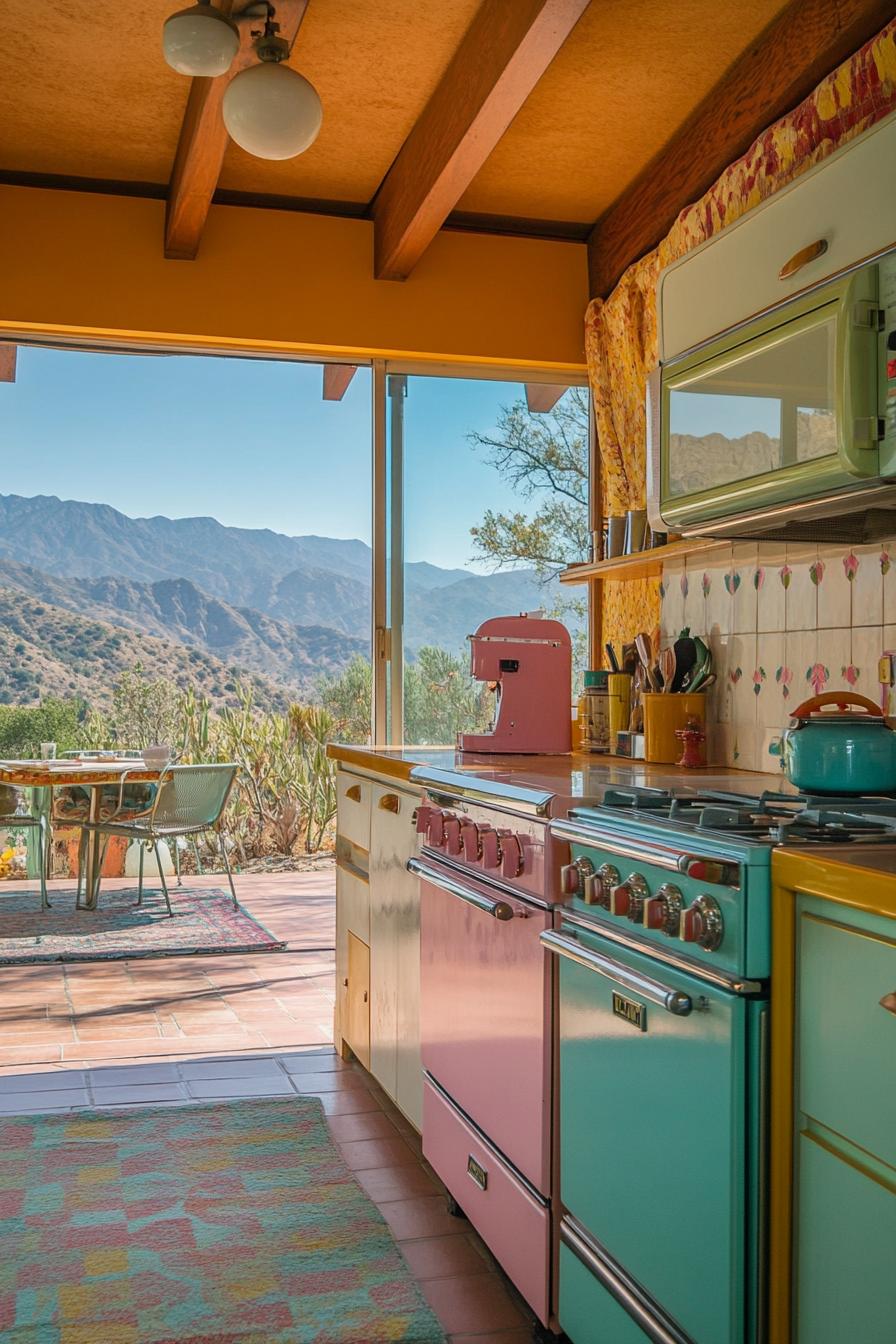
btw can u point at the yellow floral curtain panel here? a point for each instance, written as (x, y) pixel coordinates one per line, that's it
(620, 332)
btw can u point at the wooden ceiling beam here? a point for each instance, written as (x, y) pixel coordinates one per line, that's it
(502, 56)
(203, 137)
(542, 397)
(336, 380)
(808, 40)
(8, 356)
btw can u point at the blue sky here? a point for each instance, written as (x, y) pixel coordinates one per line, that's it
(249, 442)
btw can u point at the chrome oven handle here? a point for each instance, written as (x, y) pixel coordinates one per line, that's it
(673, 1000)
(489, 906)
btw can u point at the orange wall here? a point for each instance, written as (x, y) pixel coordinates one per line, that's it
(74, 263)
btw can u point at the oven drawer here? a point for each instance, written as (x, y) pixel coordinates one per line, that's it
(511, 1221)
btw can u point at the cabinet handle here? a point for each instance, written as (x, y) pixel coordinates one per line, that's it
(390, 802)
(802, 258)
(354, 792)
(889, 1002)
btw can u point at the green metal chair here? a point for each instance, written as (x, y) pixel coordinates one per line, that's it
(189, 800)
(13, 819)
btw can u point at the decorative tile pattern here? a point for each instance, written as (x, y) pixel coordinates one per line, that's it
(202, 1222)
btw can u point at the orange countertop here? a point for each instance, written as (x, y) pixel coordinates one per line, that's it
(579, 777)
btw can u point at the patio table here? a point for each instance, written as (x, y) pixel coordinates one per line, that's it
(90, 775)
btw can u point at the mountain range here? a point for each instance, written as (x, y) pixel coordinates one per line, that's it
(284, 609)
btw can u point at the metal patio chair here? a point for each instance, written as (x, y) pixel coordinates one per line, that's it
(189, 800)
(11, 819)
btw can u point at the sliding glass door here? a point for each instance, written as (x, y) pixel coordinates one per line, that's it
(483, 491)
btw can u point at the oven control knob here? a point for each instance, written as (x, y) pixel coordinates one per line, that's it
(452, 835)
(470, 840)
(574, 875)
(663, 911)
(597, 888)
(422, 815)
(436, 828)
(491, 847)
(628, 897)
(511, 856)
(702, 923)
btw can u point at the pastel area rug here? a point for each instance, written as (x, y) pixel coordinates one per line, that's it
(235, 1222)
(204, 920)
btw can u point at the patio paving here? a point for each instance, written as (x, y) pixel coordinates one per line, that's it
(75, 1015)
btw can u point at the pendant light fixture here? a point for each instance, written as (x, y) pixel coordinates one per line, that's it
(200, 40)
(269, 110)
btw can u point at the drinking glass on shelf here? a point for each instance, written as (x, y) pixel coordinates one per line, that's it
(48, 751)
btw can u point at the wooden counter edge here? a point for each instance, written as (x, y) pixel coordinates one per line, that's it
(377, 761)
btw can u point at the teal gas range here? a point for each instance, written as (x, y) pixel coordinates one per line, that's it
(663, 954)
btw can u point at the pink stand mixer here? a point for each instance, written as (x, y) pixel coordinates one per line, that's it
(527, 661)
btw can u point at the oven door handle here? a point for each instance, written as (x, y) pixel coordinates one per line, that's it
(673, 1000)
(489, 906)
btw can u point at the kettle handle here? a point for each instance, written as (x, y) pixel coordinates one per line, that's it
(841, 698)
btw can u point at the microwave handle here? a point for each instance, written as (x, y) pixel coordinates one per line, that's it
(858, 427)
(653, 418)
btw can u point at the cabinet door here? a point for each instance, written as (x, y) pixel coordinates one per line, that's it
(845, 1239)
(357, 1000)
(352, 917)
(395, 950)
(353, 808)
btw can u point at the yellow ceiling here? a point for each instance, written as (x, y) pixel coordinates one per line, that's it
(87, 94)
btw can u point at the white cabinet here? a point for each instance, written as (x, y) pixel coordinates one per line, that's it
(378, 905)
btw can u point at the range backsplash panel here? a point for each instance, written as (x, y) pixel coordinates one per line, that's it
(784, 622)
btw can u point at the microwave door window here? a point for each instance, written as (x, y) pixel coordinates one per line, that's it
(745, 417)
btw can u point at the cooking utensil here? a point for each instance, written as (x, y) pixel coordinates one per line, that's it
(642, 644)
(667, 668)
(701, 668)
(685, 657)
(838, 751)
(614, 661)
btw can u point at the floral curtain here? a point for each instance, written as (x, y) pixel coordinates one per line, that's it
(620, 332)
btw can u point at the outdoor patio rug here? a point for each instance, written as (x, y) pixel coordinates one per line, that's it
(236, 1222)
(204, 921)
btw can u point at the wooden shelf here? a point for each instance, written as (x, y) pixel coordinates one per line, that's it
(643, 564)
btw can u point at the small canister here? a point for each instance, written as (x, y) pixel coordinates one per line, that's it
(619, 686)
(594, 712)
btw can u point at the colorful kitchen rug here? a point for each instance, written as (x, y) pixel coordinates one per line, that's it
(203, 921)
(233, 1221)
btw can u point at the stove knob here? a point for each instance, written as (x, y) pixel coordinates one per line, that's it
(574, 875)
(452, 835)
(597, 887)
(470, 840)
(491, 847)
(663, 911)
(702, 923)
(436, 828)
(511, 856)
(422, 815)
(628, 897)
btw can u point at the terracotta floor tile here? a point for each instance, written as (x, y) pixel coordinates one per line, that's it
(423, 1216)
(442, 1257)
(354, 1102)
(365, 1153)
(523, 1336)
(387, 1183)
(366, 1125)
(333, 1080)
(468, 1303)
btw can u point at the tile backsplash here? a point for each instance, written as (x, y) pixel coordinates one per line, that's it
(784, 622)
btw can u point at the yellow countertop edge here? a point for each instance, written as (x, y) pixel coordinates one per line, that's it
(845, 882)
(378, 760)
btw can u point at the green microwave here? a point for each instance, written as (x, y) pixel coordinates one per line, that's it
(786, 425)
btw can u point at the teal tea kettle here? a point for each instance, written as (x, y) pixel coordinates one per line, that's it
(840, 751)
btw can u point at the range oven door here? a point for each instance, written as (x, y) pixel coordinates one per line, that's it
(655, 1158)
(484, 1004)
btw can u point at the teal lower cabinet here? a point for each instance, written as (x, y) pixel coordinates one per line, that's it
(589, 1313)
(846, 1238)
(844, 1219)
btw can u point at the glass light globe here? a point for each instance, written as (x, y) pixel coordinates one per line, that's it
(200, 40)
(271, 111)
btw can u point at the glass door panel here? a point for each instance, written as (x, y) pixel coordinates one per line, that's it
(493, 502)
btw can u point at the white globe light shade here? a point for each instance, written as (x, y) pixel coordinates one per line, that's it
(271, 111)
(200, 41)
